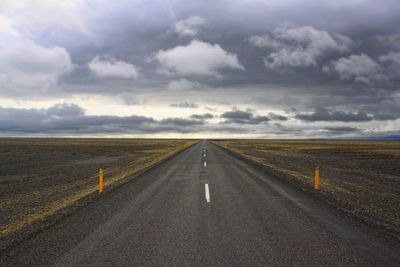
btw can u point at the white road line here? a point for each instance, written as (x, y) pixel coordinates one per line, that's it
(207, 193)
(204, 155)
(205, 163)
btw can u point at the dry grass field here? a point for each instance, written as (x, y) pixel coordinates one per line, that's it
(361, 178)
(42, 180)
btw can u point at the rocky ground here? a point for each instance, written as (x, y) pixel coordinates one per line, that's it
(362, 178)
(42, 180)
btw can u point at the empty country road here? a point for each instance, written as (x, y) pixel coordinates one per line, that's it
(204, 207)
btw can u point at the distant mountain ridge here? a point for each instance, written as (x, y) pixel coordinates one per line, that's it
(389, 137)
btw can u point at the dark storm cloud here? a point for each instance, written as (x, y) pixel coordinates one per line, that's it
(204, 116)
(184, 104)
(102, 123)
(276, 117)
(340, 59)
(180, 122)
(133, 37)
(227, 24)
(70, 119)
(130, 99)
(45, 121)
(243, 117)
(65, 110)
(237, 115)
(322, 114)
(385, 109)
(285, 129)
(36, 120)
(63, 118)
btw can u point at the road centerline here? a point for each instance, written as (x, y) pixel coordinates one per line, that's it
(207, 193)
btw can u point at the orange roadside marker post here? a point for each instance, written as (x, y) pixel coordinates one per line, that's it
(316, 178)
(184, 146)
(101, 181)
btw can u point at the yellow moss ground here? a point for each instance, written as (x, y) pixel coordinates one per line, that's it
(85, 185)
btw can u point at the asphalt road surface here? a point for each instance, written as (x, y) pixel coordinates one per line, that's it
(204, 207)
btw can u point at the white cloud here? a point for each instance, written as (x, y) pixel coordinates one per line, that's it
(391, 58)
(360, 68)
(299, 47)
(290, 58)
(189, 26)
(27, 65)
(113, 68)
(264, 41)
(46, 15)
(196, 58)
(6, 29)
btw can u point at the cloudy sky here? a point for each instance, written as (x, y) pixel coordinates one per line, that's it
(205, 69)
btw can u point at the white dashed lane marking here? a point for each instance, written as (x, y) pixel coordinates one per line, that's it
(207, 193)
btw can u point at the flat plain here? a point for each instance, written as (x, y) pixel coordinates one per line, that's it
(43, 180)
(227, 212)
(361, 178)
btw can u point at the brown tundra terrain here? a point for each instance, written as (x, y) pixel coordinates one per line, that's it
(361, 178)
(42, 180)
